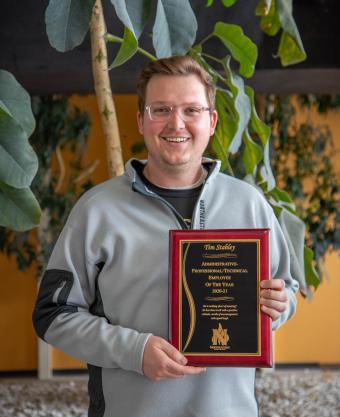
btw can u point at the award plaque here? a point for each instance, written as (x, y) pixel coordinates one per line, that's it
(215, 315)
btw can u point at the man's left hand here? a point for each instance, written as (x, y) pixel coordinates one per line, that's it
(273, 297)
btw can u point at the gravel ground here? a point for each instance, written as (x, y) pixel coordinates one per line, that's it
(282, 393)
(307, 393)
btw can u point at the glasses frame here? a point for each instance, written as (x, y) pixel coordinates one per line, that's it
(182, 116)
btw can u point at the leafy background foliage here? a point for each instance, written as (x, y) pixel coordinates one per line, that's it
(59, 128)
(303, 158)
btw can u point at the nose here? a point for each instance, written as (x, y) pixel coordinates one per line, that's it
(175, 119)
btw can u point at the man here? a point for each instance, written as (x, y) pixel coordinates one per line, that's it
(104, 295)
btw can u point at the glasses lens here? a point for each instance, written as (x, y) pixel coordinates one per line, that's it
(163, 112)
(191, 113)
(158, 112)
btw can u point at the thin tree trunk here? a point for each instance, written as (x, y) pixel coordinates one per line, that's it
(103, 91)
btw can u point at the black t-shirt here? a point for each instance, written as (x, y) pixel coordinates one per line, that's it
(183, 201)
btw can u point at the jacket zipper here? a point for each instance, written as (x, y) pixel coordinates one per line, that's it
(145, 191)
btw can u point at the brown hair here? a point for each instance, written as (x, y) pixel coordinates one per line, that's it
(175, 65)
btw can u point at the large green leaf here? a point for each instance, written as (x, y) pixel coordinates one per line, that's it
(67, 22)
(196, 53)
(270, 22)
(312, 276)
(127, 50)
(241, 104)
(133, 14)
(240, 46)
(252, 154)
(226, 125)
(291, 50)
(19, 208)
(18, 162)
(283, 198)
(175, 28)
(263, 7)
(263, 131)
(17, 101)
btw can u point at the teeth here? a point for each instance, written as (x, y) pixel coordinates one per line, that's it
(175, 139)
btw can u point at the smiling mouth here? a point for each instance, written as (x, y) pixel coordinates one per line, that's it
(175, 139)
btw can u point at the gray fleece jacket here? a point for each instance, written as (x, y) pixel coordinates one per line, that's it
(105, 291)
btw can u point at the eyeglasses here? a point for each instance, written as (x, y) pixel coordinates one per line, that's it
(163, 112)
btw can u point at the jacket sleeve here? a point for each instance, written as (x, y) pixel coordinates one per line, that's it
(69, 315)
(280, 268)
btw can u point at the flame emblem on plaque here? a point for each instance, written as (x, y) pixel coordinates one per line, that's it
(220, 336)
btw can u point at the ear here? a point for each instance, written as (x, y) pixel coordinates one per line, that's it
(140, 122)
(213, 121)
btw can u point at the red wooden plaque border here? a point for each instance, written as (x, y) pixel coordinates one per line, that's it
(265, 357)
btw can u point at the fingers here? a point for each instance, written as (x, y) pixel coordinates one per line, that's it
(175, 370)
(161, 360)
(173, 353)
(275, 284)
(273, 297)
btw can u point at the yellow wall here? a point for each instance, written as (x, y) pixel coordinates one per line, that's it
(313, 335)
(18, 343)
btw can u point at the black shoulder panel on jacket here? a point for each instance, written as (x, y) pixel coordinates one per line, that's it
(54, 290)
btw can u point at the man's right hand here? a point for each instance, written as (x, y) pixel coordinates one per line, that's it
(161, 360)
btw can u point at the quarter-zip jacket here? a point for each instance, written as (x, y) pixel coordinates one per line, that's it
(105, 291)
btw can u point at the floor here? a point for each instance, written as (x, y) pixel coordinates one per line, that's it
(280, 393)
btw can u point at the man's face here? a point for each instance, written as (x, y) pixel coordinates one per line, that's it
(176, 144)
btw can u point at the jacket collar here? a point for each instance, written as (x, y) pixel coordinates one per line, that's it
(212, 165)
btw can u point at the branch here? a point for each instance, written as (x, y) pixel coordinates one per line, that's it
(62, 169)
(103, 91)
(116, 39)
(88, 171)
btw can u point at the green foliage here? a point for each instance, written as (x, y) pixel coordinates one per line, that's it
(277, 14)
(16, 101)
(133, 14)
(241, 135)
(175, 28)
(242, 140)
(67, 22)
(241, 48)
(291, 49)
(302, 159)
(226, 3)
(128, 48)
(19, 208)
(18, 162)
(262, 132)
(270, 22)
(313, 274)
(59, 127)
